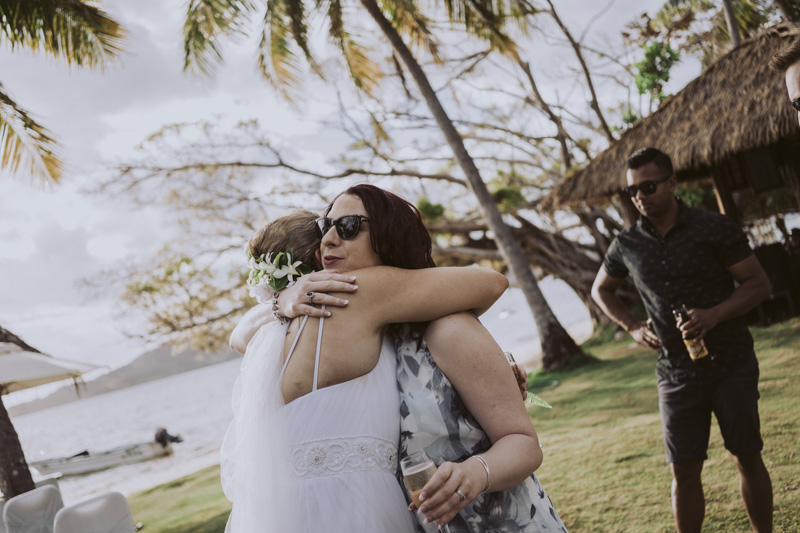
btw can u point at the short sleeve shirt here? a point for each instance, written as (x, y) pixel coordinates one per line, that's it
(688, 266)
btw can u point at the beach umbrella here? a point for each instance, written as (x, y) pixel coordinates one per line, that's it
(22, 369)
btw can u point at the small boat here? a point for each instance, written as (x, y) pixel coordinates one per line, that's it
(86, 461)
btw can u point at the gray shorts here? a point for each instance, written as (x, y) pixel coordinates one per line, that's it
(686, 414)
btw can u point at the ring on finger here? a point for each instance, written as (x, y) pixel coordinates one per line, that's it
(310, 296)
(461, 496)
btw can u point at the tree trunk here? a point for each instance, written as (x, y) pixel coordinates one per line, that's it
(733, 27)
(786, 10)
(15, 477)
(558, 348)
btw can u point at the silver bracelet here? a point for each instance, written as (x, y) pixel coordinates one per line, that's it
(280, 318)
(485, 467)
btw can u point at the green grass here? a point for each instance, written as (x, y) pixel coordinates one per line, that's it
(193, 504)
(604, 459)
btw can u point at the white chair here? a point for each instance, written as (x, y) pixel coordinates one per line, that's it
(106, 513)
(48, 481)
(33, 511)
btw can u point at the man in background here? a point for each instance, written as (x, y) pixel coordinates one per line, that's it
(679, 256)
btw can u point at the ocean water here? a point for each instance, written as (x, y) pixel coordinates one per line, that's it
(194, 404)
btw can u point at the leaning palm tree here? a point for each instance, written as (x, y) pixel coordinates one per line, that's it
(284, 39)
(69, 30)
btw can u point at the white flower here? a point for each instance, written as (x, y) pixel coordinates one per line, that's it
(288, 270)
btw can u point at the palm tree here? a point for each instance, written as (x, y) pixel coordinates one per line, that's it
(737, 20)
(69, 30)
(209, 20)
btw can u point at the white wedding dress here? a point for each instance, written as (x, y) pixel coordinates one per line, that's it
(324, 463)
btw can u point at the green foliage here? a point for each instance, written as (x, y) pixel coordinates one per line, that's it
(652, 72)
(509, 198)
(701, 196)
(430, 212)
(630, 117)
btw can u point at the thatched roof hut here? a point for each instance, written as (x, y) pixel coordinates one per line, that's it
(738, 105)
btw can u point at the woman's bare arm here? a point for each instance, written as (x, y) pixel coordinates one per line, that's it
(473, 362)
(395, 295)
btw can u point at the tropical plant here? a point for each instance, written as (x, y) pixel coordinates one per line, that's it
(707, 28)
(71, 31)
(284, 37)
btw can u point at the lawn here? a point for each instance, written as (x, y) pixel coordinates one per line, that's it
(604, 461)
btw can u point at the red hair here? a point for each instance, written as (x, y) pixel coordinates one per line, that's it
(396, 231)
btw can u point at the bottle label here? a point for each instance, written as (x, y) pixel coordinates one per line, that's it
(697, 349)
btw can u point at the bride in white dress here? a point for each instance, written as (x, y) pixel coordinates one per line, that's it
(313, 445)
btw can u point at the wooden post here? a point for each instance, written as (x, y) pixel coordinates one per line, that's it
(724, 199)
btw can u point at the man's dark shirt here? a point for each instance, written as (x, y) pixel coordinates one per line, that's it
(686, 267)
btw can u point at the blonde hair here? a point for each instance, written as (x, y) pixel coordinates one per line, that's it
(296, 231)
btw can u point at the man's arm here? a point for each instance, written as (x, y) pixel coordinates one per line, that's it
(604, 292)
(754, 287)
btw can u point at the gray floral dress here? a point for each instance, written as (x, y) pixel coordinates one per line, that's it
(434, 418)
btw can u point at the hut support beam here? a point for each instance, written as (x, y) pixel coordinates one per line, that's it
(724, 199)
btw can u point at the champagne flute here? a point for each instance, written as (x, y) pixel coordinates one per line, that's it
(418, 469)
(532, 399)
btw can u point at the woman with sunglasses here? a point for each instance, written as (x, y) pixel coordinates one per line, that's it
(328, 395)
(459, 400)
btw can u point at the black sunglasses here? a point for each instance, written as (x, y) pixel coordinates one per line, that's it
(347, 227)
(648, 187)
(796, 103)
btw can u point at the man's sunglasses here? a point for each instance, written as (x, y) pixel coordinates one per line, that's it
(347, 227)
(796, 103)
(648, 187)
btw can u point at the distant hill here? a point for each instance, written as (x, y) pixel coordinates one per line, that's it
(155, 364)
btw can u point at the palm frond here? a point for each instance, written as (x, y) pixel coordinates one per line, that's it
(70, 30)
(363, 70)
(277, 60)
(207, 22)
(295, 11)
(409, 21)
(26, 147)
(487, 21)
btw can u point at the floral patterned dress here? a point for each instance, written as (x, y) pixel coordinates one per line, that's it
(435, 419)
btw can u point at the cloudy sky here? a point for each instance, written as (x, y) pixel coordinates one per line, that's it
(51, 237)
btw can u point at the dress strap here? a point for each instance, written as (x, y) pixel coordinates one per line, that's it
(316, 356)
(291, 350)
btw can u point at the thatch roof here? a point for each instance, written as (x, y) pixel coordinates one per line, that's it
(737, 104)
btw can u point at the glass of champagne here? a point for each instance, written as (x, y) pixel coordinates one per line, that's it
(418, 469)
(532, 399)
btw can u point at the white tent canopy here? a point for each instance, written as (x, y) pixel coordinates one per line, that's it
(21, 369)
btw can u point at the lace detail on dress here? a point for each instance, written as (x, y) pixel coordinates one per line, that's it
(326, 457)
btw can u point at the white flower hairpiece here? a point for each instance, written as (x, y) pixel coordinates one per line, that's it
(276, 273)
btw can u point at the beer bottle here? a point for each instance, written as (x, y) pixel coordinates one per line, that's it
(696, 347)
